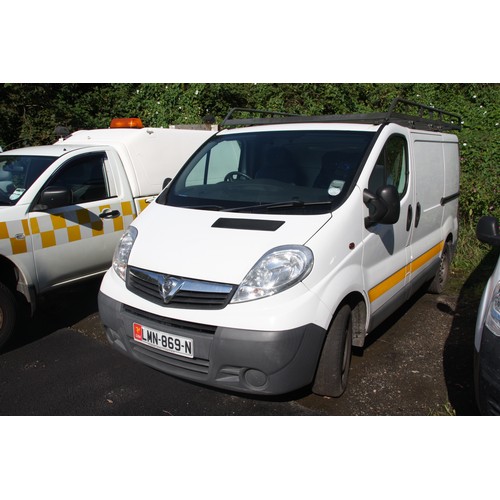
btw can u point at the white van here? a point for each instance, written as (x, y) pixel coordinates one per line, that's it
(281, 244)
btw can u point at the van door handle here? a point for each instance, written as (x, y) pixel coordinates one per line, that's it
(409, 217)
(109, 214)
(417, 214)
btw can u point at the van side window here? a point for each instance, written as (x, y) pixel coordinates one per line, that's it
(85, 178)
(392, 166)
(216, 164)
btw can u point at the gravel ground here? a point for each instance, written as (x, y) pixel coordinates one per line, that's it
(419, 362)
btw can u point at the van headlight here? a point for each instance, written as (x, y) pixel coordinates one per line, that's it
(277, 270)
(122, 251)
(493, 315)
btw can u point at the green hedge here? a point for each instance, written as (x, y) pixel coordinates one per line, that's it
(30, 112)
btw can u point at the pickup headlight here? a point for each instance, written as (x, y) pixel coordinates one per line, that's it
(122, 251)
(493, 314)
(277, 270)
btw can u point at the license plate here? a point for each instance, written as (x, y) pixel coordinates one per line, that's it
(164, 341)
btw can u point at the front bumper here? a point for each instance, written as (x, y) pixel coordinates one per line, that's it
(487, 373)
(249, 361)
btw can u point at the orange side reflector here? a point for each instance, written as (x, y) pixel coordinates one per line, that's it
(126, 123)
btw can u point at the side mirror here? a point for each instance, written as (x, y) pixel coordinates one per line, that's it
(166, 182)
(384, 206)
(487, 230)
(54, 197)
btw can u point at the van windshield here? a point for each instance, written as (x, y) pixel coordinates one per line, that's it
(18, 173)
(292, 171)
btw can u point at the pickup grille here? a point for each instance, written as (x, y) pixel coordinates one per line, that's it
(174, 291)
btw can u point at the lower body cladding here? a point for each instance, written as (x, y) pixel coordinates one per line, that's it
(487, 373)
(249, 361)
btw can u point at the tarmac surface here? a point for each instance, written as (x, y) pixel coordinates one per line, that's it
(419, 362)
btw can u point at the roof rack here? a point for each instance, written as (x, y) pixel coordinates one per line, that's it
(234, 122)
(423, 118)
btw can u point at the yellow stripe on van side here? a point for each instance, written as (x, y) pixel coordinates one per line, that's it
(390, 282)
(420, 261)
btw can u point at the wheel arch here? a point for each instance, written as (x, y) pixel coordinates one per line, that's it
(358, 307)
(14, 279)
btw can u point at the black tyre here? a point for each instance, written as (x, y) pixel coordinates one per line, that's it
(335, 361)
(8, 312)
(438, 283)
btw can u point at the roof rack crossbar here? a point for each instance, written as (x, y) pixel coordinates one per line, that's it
(235, 121)
(444, 120)
(419, 120)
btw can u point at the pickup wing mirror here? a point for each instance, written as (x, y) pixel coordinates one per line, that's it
(54, 197)
(166, 182)
(384, 206)
(487, 230)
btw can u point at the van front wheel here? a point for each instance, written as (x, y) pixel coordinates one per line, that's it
(335, 361)
(7, 313)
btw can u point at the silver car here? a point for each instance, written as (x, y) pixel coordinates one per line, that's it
(487, 334)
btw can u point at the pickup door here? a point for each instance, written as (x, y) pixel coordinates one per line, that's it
(77, 237)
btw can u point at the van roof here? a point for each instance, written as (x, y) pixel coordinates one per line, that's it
(285, 127)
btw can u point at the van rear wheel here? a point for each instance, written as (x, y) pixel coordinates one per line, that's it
(439, 282)
(8, 309)
(335, 361)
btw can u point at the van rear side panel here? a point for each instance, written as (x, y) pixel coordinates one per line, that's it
(435, 158)
(429, 175)
(451, 189)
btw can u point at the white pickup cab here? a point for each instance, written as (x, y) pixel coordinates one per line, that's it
(64, 207)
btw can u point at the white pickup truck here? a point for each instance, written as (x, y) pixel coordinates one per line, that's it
(63, 207)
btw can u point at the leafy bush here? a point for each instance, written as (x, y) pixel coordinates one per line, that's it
(30, 112)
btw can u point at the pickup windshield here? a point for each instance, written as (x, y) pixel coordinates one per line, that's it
(17, 174)
(306, 172)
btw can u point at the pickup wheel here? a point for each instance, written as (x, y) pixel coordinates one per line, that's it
(8, 310)
(335, 361)
(438, 283)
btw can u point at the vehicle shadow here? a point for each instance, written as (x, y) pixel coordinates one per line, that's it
(459, 346)
(59, 309)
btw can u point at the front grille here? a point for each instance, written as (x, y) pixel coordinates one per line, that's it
(173, 291)
(167, 323)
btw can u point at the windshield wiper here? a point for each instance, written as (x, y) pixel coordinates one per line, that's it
(204, 207)
(279, 204)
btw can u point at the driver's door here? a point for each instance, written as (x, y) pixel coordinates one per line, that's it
(386, 251)
(78, 240)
